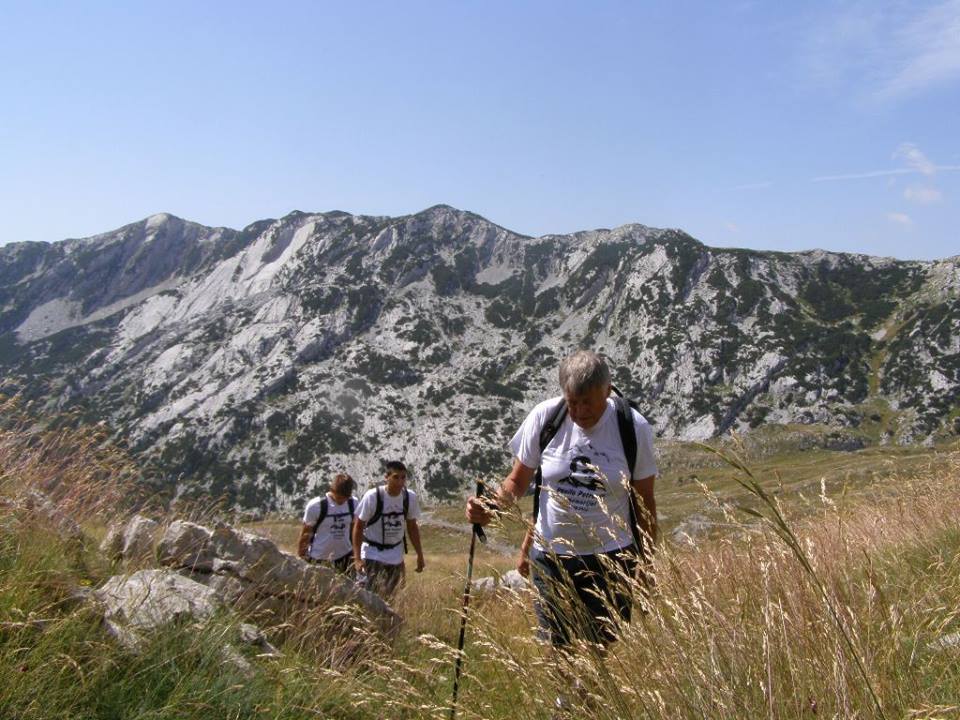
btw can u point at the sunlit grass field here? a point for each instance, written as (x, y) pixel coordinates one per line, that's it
(829, 588)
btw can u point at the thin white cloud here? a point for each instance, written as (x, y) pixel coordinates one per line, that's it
(922, 195)
(862, 175)
(901, 219)
(930, 51)
(753, 186)
(883, 50)
(914, 158)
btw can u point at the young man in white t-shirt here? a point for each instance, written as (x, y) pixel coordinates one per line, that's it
(583, 544)
(385, 516)
(327, 526)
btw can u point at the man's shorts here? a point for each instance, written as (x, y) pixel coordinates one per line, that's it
(382, 579)
(583, 596)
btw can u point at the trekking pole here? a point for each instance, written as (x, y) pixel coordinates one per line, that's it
(476, 533)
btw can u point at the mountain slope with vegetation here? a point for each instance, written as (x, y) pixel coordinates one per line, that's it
(249, 364)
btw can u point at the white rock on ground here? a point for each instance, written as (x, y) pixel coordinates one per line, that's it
(511, 579)
(247, 570)
(148, 599)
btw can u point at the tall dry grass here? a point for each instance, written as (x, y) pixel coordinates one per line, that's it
(846, 613)
(83, 473)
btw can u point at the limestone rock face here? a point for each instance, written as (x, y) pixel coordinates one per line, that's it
(187, 545)
(139, 538)
(243, 570)
(149, 599)
(112, 543)
(432, 334)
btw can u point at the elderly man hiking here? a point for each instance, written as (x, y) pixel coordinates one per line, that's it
(327, 525)
(595, 510)
(386, 515)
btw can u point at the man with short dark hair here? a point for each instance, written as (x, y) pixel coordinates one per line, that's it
(584, 549)
(327, 524)
(385, 516)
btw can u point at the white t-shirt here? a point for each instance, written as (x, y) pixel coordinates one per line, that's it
(584, 500)
(332, 540)
(389, 528)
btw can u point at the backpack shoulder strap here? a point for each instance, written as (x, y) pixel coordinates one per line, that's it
(547, 433)
(406, 509)
(378, 510)
(324, 509)
(350, 506)
(628, 437)
(628, 434)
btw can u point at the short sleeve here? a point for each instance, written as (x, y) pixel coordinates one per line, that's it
(646, 458)
(312, 511)
(413, 512)
(368, 505)
(525, 444)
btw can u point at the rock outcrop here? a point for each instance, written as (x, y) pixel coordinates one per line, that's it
(431, 334)
(239, 569)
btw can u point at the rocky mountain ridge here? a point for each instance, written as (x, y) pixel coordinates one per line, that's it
(253, 363)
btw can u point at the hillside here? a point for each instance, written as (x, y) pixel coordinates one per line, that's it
(249, 364)
(858, 620)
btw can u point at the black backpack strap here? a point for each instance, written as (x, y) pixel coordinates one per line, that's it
(378, 510)
(379, 545)
(628, 437)
(406, 509)
(378, 516)
(324, 508)
(351, 507)
(547, 433)
(377, 513)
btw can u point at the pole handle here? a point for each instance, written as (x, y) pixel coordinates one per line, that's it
(477, 528)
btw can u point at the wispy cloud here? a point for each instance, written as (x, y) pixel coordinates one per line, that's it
(930, 51)
(914, 158)
(917, 163)
(862, 175)
(753, 186)
(922, 195)
(901, 219)
(884, 50)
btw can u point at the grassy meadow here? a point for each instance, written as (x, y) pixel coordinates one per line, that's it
(828, 586)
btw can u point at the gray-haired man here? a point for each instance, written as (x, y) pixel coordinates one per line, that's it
(583, 544)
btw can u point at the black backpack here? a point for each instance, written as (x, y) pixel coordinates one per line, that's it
(379, 514)
(628, 437)
(324, 509)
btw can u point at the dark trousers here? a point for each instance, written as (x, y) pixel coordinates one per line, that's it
(383, 579)
(583, 596)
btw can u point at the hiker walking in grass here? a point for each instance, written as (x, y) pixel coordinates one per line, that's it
(327, 526)
(596, 513)
(385, 516)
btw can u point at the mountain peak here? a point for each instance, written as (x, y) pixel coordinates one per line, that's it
(159, 219)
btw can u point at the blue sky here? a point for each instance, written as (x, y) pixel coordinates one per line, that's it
(769, 125)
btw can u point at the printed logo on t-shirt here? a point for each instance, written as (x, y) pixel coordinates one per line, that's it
(583, 474)
(584, 484)
(338, 526)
